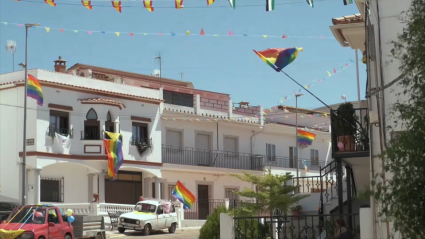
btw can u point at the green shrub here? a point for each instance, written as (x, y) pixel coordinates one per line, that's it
(211, 228)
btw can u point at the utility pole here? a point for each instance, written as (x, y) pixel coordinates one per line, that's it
(181, 76)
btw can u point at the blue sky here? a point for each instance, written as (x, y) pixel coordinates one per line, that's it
(220, 64)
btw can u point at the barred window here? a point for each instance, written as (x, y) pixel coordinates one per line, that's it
(52, 190)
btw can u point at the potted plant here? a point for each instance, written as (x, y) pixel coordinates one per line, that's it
(345, 127)
(296, 210)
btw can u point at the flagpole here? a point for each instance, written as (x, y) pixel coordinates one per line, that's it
(24, 140)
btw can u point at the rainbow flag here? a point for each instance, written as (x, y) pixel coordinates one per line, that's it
(179, 4)
(148, 5)
(183, 195)
(34, 89)
(279, 58)
(305, 138)
(113, 149)
(117, 5)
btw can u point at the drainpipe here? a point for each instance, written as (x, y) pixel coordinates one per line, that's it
(382, 123)
(254, 134)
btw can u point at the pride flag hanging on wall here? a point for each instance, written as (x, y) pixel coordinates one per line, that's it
(305, 138)
(184, 195)
(34, 90)
(113, 149)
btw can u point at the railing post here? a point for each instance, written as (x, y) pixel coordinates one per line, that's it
(349, 208)
(340, 185)
(321, 192)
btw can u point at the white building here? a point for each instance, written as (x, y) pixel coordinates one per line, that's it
(196, 136)
(371, 32)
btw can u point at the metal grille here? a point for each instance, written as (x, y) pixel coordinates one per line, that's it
(52, 189)
(132, 221)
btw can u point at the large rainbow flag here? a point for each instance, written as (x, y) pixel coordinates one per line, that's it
(279, 58)
(113, 149)
(34, 90)
(305, 138)
(184, 195)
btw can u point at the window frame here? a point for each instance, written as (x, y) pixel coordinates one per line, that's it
(65, 130)
(178, 101)
(314, 157)
(91, 123)
(269, 155)
(139, 140)
(61, 189)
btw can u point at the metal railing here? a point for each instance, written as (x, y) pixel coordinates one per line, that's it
(211, 158)
(140, 141)
(91, 135)
(312, 184)
(297, 227)
(288, 162)
(201, 209)
(62, 131)
(350, 130)
(237, 203)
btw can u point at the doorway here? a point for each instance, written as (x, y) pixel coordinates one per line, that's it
(126, 189)
(202, 149)
(203, 202)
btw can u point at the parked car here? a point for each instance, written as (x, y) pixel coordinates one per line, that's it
(6, 208)
(39, 221)
(148, 216)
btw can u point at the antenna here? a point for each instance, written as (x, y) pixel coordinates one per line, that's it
(181, 75)
(156, 73)
(160, 68)
(11, 47)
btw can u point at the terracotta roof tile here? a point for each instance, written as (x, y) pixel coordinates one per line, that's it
(102, 101)
(356, 18)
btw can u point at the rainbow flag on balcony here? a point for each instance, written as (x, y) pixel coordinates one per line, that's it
(113, 149)
(305, 138)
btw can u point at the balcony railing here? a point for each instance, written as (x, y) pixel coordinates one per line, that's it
(287, 162)
(62, 131)
(90, 135)
(350, 132)
(211, 158)
(201, 209)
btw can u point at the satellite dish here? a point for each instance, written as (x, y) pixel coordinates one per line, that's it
(156, 73)
(11, 46)
(343, 97)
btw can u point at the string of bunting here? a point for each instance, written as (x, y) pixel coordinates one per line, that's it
(187, 33)
(178, 4)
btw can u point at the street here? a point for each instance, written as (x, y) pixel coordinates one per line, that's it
(188, 233)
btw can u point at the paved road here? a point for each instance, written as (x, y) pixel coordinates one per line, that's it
(179, 234)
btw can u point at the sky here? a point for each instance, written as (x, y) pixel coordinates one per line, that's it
(224, 64)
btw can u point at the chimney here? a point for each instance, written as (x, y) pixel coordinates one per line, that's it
(60, 65)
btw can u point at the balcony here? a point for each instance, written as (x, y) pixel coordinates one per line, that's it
(350, 133)
(233, 160)
(61, 131)
(211, 158)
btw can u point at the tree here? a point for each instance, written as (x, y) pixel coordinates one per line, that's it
(399, 188)
(272, 192)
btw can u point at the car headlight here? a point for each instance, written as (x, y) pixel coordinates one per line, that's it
(137, 222)
(121, 219)
(26, 235)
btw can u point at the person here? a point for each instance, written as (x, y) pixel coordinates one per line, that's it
(341, 231)
(141, 198)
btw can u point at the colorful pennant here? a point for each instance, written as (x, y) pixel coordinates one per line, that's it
(87, 4)
(148, 5)
(50, 2)
(209, 2)
(179, 4)
(269, 5)
(117, 5)
(232, 3)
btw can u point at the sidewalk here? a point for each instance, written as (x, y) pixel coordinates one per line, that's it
(181, 233)
(114, 232)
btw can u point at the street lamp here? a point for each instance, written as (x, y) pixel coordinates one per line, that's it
(296, 137)
(24, 153)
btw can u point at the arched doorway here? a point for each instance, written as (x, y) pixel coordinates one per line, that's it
(126, 189)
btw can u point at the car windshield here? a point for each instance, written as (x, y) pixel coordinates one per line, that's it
(145, 207)
(31, 215)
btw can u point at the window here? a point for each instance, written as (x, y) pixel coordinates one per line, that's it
(51, 190)
(139, 133)
(292, 156)
(314, 156)
(176, 98)
(271, 152)
(232, 196)
(160, 210)
(109, 125)
(53, 216)
(59, 123)
(91, 126)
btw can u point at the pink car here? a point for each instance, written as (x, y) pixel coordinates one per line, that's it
(39, 222)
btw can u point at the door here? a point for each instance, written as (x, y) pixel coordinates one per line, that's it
(161, 219)
(292, 156)
(172, 152)
(203, 202)
(202, 149)
(230, 147)
(55, 232)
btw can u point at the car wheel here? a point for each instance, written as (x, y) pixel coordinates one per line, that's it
(121, 230)
(172, 229)
(68, 236)
(147, 230)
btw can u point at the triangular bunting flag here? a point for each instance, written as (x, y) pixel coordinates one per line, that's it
(117, 33)
(232, 3)
(87, 4)
(269, 5)
(202, 32)
(284, 36)
(47, 29)
(131, 34)
(334, 70)
(61, 30)
(179, 4)
(75, 31)
(50, 2)
(230, 33)
(209, 2)
(188, 32)
(117, 5)
(329, 74)
(265, 36)
(311, 3)
(148, 5)
(173, 34)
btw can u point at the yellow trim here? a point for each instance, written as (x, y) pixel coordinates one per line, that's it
(144, 213)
